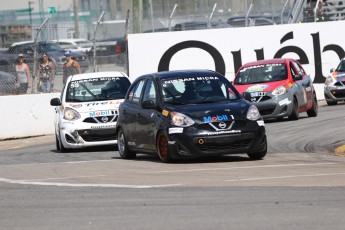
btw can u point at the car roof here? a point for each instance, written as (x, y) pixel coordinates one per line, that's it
(70, 40)
(22, 43)
(183, 73)
(268, 61)
(98, 75)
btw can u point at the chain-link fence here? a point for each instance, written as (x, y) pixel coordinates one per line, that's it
(106, 47)
(53, 40)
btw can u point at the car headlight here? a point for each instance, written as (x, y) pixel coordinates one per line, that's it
(179, 119)
(280, 90)
(329, 80)
(71, 114)
(253, 113)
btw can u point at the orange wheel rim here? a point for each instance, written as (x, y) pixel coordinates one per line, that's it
(163, 147)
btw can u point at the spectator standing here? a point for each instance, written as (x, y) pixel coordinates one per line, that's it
(23, 75)
(70, 67)
(46, 75)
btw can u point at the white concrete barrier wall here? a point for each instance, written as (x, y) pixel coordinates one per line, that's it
(26, 115)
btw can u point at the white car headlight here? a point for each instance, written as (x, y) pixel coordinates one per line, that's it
(329, 80)
(253, 113)
(181, 120)
(71, 114)
(280, 90)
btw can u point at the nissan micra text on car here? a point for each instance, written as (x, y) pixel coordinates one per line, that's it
(188, 114)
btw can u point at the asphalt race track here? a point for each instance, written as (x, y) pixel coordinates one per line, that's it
(299, 185)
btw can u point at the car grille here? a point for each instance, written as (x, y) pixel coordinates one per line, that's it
(338, 93)
(266, 111)
(225, 146)
(104, 119)
(91, 135)
(246, 96)
(208, 127)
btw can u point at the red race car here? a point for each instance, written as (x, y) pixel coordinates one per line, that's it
(278, 87)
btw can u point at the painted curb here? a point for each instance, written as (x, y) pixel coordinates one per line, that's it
(340, 151)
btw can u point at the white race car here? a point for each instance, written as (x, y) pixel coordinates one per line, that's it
(87, 111)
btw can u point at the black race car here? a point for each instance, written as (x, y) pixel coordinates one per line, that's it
(188, 114)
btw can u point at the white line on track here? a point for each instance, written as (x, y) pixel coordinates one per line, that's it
(62, 178)
(86, 185)
(231, 168)
(284, 177)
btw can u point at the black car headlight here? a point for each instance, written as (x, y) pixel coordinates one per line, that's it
(280, 90)
(71, 114)
(181, 120)
(329, 80)
(253, 113)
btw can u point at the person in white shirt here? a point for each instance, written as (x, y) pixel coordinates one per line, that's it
(23, 75)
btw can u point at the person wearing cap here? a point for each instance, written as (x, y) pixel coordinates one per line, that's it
(70, 67)
(46, 75)
(23, 75)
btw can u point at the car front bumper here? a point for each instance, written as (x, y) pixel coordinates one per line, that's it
(271, 106)
(194, 143)
(87, 135)
(334, 93)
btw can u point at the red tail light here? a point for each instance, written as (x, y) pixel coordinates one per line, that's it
(118, 49)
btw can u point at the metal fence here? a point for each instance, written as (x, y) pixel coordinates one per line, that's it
(107, 46)
(54, 39)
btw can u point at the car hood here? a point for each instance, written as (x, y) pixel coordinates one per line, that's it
(95, 105)
(265, 87)
(208, 112)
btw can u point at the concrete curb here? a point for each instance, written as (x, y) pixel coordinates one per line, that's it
(340, 151)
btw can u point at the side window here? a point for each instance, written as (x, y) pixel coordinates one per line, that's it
(134, 94)
(150, 91)
(297, 68)
(293, 70)
(26, 49)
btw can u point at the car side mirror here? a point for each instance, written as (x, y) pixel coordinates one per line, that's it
(149, 104)
(298, 77)
(331, 70)
(55, 102)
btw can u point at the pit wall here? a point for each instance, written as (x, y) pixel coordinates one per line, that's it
(26, 115)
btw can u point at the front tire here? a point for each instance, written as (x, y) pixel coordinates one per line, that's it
(59, 145)
(332, 102)
(162, 148)
(314, 109)
(259, 155)
(294, 113)
(57, 142)
(122, 146)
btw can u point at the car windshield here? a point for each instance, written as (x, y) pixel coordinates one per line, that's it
(197, 90)
(341, 66)
(261, 73)
(97, 89)
(49, 47)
